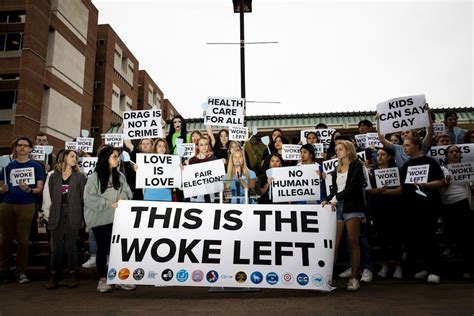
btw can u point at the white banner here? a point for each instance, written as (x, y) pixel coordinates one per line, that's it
(87, 165)
(186, 150)
(238, 133)
(318, 150)
(417, 174)
(387, 177)
(373, 139)
(400, 114)
(462, 172)
(114, 140)
(158, 171)
(211, 245)
(38, 153)
(225, 111)
(26, 175)
(438, 153)
(71, 146)
(85, 144)
(290, 152)
(142, 124)
(203, 178)
(324, 135)
(300, 183)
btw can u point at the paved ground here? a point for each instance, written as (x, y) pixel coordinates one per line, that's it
(380, 297)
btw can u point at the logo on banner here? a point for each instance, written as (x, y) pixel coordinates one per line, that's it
(241, 277)
(287, 278)
(256, 277)
(112, 274)
(138, 274)
(167, 275)
(302, 279)
(152, 274)
(124, 274)
(272, 278)
(212, 276)
(317, 279)
(197, 276)
(182, 275)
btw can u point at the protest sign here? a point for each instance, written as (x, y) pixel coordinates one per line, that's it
(417, 174)
(439, 128)
(158, 171)
(438, 153)
(462, 172)
(85, 144)
(225, 111)
(186, 150)
(290, 152)
(324, 135)
(300, 183)
(38, 153)
(142, 124)
(387, 177)
(238, 133)
(71, 146)
(319, 150)
(361, 140)
(203, 178)
(211, 245)
(402, 113)
(114, 140)
(372, 139)
(25, 175)
(87, 165)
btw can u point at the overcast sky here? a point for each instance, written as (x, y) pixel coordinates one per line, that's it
(331, 56)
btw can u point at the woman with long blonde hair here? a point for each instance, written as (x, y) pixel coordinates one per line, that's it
(239, 177)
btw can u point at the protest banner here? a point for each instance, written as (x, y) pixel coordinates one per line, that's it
(211, 245)
(319, 150)
(387, 177)
(439, 128)
(87, 165)
(186, 150)
(203, 178)
(372, 139)
(238, 133)
(438, 153)
(38, 153)
(142, 124)
(25, 175)
(86, 144)
(402, 113)
(71, 146)
(158, 171)
(462, 172)
(361, 140)
(417, 174)
(300, 183)
(225, 111)
(290, 152)
(114, 140)
(324, 135)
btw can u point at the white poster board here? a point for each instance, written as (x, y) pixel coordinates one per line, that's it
(222, 245)
(186, 150)
(387, 177)
(319, 150)
(438, 153)
(290, 152)
(417, 174)
(86, 144)
(225, 111)
(142, 124)
(87, 165)
(462, 172)
(114, 140)
(38, 153)
(361, 140)
(372, 139)
(439, 128)
(71, 146)
(158, 171)
(238, 133)
(25, 175)
(300, 183)
(203, 178)
(324, 135)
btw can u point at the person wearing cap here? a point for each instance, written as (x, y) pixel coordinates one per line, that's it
(365, 126)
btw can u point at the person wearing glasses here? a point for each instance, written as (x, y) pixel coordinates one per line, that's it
(21, 182)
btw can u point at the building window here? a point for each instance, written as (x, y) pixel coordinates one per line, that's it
(95, 107)
(95, 129)
(115, 93)
(99, 63)
(8, 77)
(97, 84)
(11, 41)
(12, 17)
(100, 42)
(8, 99)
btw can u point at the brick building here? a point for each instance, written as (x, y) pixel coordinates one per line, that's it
(149, 94)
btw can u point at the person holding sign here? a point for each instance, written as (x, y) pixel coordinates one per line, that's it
(422, 201)
(456, 209)
(66, 189)
(308, 157)
(347, 199)
(24, 182)
(265, 182)
(271, 146)
(221, 146)
(104, 188)
(239, 178)
(159, 194)
(203, 154)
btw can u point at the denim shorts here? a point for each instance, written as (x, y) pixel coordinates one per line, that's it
(344, 217)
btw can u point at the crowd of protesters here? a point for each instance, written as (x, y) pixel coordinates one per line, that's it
(405, 220)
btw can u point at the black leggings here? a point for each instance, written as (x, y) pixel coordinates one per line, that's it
(103, 236)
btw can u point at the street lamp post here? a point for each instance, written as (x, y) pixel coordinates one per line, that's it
(241, 7)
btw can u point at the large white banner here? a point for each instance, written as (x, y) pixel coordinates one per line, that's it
(324, 135)
(402, 113)
(225, 111)
(203, 178)
(290, 152)
(87, 165)
(212, 245)
(142, 124)
(158, 171)
(300, 183)
(438, 153)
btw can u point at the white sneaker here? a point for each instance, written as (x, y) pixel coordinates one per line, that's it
(346, 274)
(421, 275)
(125, 287)
(398, 273)
(383, 272)
(353, 285)
(433, 279)
(89, 263)
(367, 276)
(22, 279)
(103, 287)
